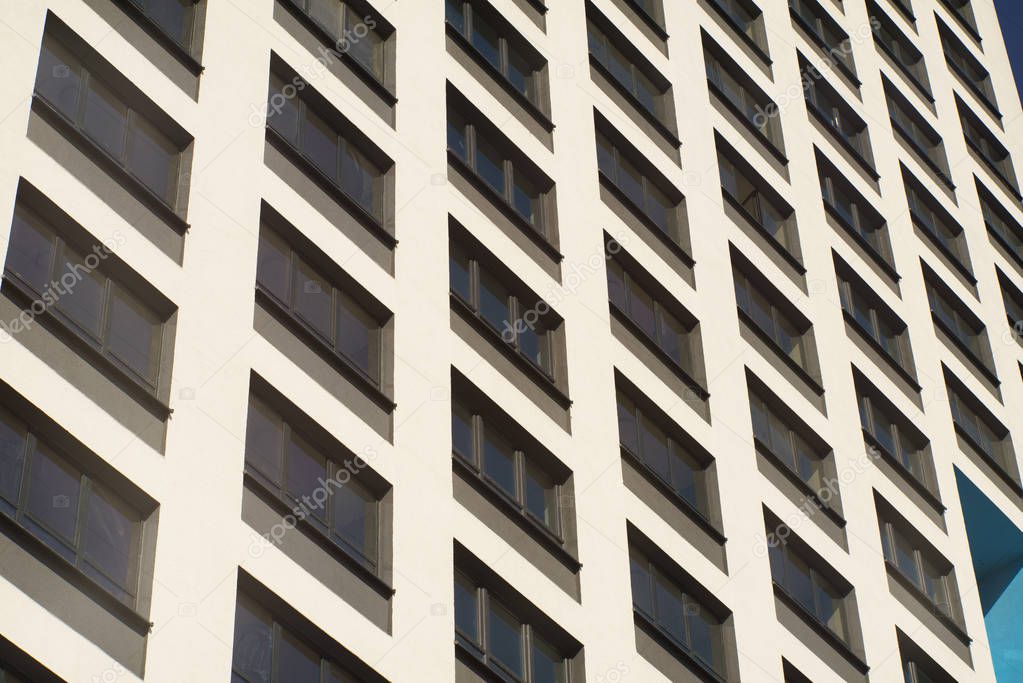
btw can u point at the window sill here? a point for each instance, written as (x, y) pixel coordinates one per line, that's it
(536, 531)
(531, 108)
(902, 372)
(775, 244)
(979, 365)
(23, 296)
(678, 501)
(345, 367)
(929, 496)
(507, 209)
(803, 487)
(1007, 184)
(179, 51)
(881, 262)
(365, 218)
(921, 89)
(800, 371)
(990, 460)
(988, 104)
(677, 369)
(823, 47)
(364, 74)
(538, 376)
(670, 137)
(75, 576)
(821, 629)
(650, 21)
(680, 652)
(139, 189)
(922, 155)
(944, 250)
(867, 166)
(948, 622)
(322, 541)
(775, 152)
(635, 210)
(760, 52)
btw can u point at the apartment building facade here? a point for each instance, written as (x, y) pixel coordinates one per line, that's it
(510, 340)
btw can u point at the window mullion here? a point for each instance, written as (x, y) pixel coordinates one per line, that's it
(85, 492)
(275, 659)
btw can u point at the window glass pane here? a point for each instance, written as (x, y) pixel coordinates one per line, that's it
(534, 344)
(282, 109)
(13, 438)
(905, 558)
(111, 538)
(520, 73)
(274, 265)
(884, 432)
(541, 495)
(83, 300)
(457, 138)
(358, 178)
(673, 338)
(134, 333)
(526, 198)
(830, 608)
(654, 448)
(264, 441)
(936, 588)
(630, 182)
(627, 425)
(642, 588)
(307, 474)
(548, 665)
(790, 339)
(460, 280)
(30, 252)
(620, 68)
(326, 13)
(505, 639)
(606, 158)
(461, 433)
(485, 39)
(59, 79)
(466, 608)
(153, 158)
(687, 477)
(761, 422)
(455, 14)
(355, 517)
(319, 144)
(799, 583)
(253, 642)
(499, 461)
(670, 608)
(494, 304)
(703, 633)
(105, 118)
(761, 312)
(616, 286)
(312, 299)
(53, 490)
(296, 662)
(490, 165)
(648, 94)
(358, 336)
(641, 311)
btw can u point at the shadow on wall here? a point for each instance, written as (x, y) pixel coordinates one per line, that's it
(996, 545)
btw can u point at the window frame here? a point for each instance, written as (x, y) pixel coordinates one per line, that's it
(922, 557)
(880, 315)
(741, 171)
(819, 582)
(965, 329)
(639, 67)
(820, 462)
(921, 137)
(980, 139)
(777, 316)
(962, 61)
(378, 76)
(755, 33)
(899, 48)
(863, 219)
(837, 116)
(944, 232)
(822, 29)
(871, 411)
(722, 74)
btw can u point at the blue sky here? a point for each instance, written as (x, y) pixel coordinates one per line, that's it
(1010, 15)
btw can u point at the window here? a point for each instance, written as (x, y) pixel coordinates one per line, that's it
(498, 638)
(916, 132)
(993, 153)
(104, 115)
(650, 11)
(981, 429)
(649, 196)
(786, 444)
(336, 503)
(1013, 299)
(962, 10)
(751, 104)
(8, 676)
(76, 516)
(488, 155)
(354, 33)
(854, 213)
(175, 18)
(326, 310)
(334, 155)
(826, 32)
(658, 322)
(1000, 223)
(680, 616)
(928, 215)
(817, 594)
(953, 318)
(928, 572)
(525, 481)
(914, 674)
(745, 190)
(747, 18)
(523, 321)
(498, 44)
(899, 48)
(629, 70)
(786, 332)
(875, 320)
(887, 430)
(968, 68)
(98, 309)
(267, 651)
(663, 454)
(824, 103)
